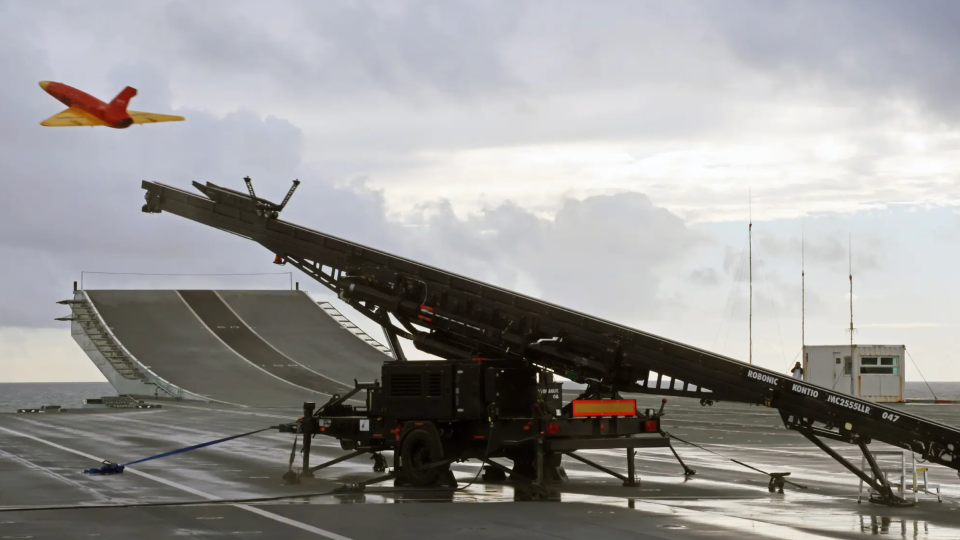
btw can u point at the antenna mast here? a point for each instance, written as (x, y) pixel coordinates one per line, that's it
(852, 363)
(750, 241)
(803, 299)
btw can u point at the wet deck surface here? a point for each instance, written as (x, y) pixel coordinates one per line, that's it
(42, 456)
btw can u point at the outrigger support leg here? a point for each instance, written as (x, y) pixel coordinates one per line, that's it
(687, 471)
(291, 477)
(884, 492)
(601, 468)
(631, 480)
(334, 461)
(379, 462)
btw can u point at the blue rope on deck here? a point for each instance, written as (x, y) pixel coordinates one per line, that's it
(109, 467)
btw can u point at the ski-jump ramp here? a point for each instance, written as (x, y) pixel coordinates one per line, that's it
(256, 348)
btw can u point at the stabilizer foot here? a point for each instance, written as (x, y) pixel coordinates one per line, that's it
(291, 478)
(776, 482)
(892, 501)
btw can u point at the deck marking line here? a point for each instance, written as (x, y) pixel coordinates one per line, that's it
(292, 523)
(188, 489)
(242, 357)
(281, 353)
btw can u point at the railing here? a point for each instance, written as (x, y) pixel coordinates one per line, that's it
(126, 364)
(335, 314)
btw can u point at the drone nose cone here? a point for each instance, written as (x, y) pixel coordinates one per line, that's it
(44, 84)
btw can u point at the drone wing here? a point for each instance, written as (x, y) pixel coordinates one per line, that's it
(72, 117)
(150, 118)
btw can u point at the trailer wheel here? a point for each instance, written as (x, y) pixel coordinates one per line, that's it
(420, 447)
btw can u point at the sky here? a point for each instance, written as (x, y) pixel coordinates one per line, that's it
(606, 156)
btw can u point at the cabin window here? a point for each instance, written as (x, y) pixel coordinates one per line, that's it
(873, 365)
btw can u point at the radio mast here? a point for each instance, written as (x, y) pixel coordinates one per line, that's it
(750, 241)
(852, 363)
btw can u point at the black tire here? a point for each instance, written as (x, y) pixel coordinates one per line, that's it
(421, 447)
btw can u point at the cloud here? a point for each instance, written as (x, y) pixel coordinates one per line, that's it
(827, 245)
(878, 50)
(573, 152)
(76, 205)
(430, 99)
(602, 255)
(704, 276)
(411, 49)
(71, 196)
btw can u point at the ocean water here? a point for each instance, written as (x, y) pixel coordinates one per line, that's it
(943, 390)
(15, 396)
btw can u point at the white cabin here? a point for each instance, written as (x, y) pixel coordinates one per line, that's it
(880, 370)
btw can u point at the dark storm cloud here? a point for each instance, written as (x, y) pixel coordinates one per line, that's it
(393, 47)
(71, 201)
(395, 77)
(880, 49)
(897, 50)
(70, 198)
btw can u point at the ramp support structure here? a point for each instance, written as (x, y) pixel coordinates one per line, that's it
(390, 333)
(878, 482)
(307, 426)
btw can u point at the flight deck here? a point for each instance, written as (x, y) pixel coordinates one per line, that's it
(41, 456)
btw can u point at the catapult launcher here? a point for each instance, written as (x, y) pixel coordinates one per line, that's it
(456, 318)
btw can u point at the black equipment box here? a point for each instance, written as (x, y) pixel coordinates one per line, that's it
(447, 390)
